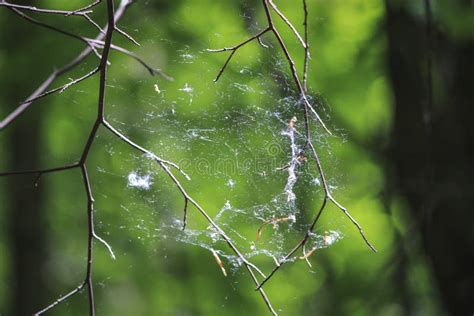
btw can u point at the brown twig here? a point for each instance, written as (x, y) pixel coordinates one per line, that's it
(39, 171)
(185, 214)
(87, 7)
(126, 35)
(84, 12)
(62, 88)
(219, 262)
(39, 10)
(307, 54)
(151, 70)
(233, 49)
(287, 22)
(271, 221)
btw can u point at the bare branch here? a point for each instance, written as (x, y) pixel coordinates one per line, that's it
(185, 214)
(219, 261)
(307, 55)
(129, 37)
(224, 66)
(39, 171)
(143, 150)
(261, 42)
(86, 8)
(90, 238)
(124, 4)
(151, 70)
(91, 21)
(61, 299)
(39, 10)
(80, 12)
(106, 244)
(92, 43)
(53, 28)
(102, 68)
(306, 255)
(62, 88)
(224, 236)
(285, 19)
(356, 224)
(233, 49)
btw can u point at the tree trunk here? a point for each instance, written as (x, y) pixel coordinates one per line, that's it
(432, 147)
(25, 212)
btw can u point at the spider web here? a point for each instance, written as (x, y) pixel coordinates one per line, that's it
(238, 144)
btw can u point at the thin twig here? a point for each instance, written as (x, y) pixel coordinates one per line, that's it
(62, 88)
(128, 36)
(306, 255)
(61, 299)
(233, 49)
(124, 4)
(90, 239)
(80, 12)
(428, 108)
(142, 149)
(151, 70)
(285, 19)
(292, 65)
(307, 53)
(106, 244)
(92, 43)
(39, 171)
(271, 221)
(88, 7)
(185, 214)
(39, 10)
(91, 21)
(56, 29)
(219, 262)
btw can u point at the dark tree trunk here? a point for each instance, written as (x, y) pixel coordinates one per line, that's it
(25, 211)
(432, 147)
(27, 226)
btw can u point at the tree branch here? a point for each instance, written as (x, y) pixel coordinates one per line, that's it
(39, 10)
(233, 49)
(124, 4)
